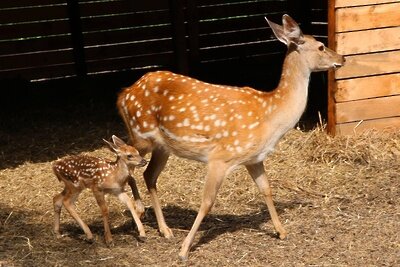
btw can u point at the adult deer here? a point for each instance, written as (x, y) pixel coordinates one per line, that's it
(223, 126)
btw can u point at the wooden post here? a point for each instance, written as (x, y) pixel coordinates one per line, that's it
(331, 127)
(193, 32)
(77, 37)
(301, 12)
(179, 35)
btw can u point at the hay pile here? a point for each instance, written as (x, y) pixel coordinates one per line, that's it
(337, 197)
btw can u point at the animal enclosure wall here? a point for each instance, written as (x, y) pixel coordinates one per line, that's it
(365, 93)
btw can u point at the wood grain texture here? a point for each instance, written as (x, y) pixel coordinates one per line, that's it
(368, 109)
(367, 17)
(387, 124)
(367, 87)
(370, 64)
(352, 3)
(376, 40)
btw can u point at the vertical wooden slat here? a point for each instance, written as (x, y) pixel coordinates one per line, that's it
(179, 35)
(193, 32)
(331, 127)
(77, 37)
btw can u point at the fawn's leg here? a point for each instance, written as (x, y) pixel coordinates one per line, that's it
(139, 207)
(128, 201)
(257, 172)
(58, 202)
(69, 204)
(157, 163)
(216, 171)
(99, 195)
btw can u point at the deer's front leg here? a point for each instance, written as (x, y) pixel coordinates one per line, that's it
(139, 207)
(257, 172)
(129, 203)
(99, 195)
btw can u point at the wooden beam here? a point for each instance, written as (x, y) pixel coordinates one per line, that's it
(367, 17)
(368, 109)
(370, 64)
(367, 87)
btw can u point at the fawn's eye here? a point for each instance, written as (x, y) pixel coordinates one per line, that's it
(129, 156)
(321, 48)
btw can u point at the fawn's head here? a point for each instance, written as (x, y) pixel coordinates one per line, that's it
(315, 54)
(125, 152)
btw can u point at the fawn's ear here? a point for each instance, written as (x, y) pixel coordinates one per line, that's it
(111, 146)
(117, 141)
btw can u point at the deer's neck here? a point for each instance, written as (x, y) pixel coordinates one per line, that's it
(122, 170)
(295, 76)
(292, 91)
(289, 99)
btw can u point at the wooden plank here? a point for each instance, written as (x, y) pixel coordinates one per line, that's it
(368, 41)
(118, 21)
(165, 60)
(232, 37)
(39, 44)
(368, 109)
(39, 72)
(238, 23)
(240, 8)
(352, 3)
(42, 58)
(128, 49)
(368, 87)
(241, 50)
(127, 35)
(20, 31)
(386, 124)
(27, 3)
(370, 64)
(127, 4)
(36, 13)
(368, 17)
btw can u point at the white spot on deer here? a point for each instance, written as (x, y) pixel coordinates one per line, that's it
(165, 92)
(145, 124)
(156, 89)
(171, 98)
(180, 97)
(217, 123)
(179, 125)
(218, 135)
(236, 142)
(171, 117)
(239, 149)
(207, 128)
(144, 86)
(186, 122)
(138, 113)
(253, 125)
(250, 113)
(213, 117)
(146, 93)
(234, 133)
(158, 80)
(182, 110)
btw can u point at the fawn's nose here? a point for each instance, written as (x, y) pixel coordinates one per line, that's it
(142, 163)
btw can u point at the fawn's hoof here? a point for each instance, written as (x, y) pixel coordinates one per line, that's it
(142, 238)
(167, 233)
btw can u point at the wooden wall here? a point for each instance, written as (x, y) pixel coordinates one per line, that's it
(365, 93)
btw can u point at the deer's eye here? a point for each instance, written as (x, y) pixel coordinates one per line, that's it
(129, 156)
(321, 48)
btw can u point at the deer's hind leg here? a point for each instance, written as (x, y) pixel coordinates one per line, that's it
(157, 163)
(257, 172)
(69, 204)
(58, 202)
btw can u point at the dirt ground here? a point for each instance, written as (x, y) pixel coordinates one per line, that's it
(338, 198)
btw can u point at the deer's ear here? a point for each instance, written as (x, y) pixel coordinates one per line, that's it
(292, 30)
(111, 146)
(278, 31)
(117, 141)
